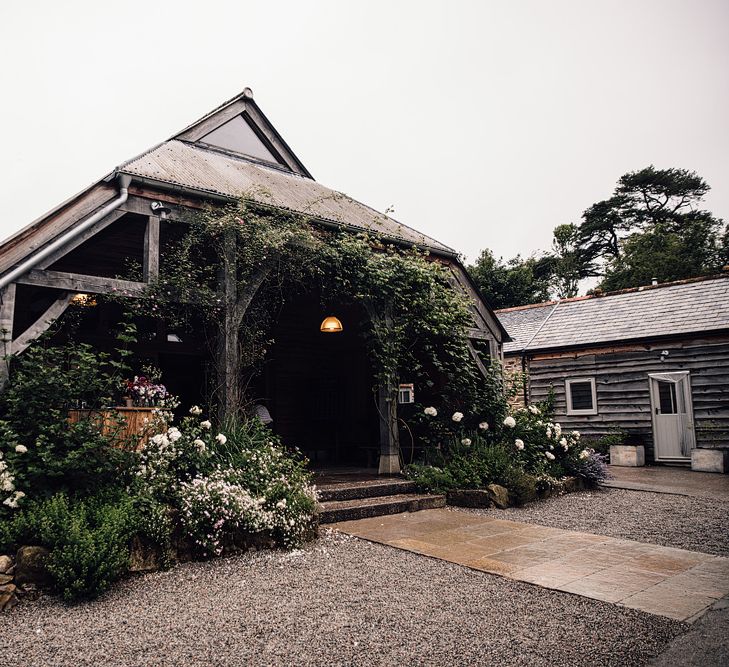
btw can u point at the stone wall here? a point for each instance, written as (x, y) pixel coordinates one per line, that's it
(514, 381)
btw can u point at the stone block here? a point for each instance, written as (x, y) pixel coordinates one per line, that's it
(631, 456)
(469, 498)
(710, 460)
(30, 566)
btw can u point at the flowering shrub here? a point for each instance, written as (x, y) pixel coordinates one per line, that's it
(224, 483)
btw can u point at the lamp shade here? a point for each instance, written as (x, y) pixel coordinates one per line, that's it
(331, 325)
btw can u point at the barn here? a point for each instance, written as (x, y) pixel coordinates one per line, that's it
(651, 363)
(317, 386)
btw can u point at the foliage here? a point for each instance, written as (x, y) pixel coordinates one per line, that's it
(88, 539)
(653, 226)
(239, 479)
(616, 436)
(516, 282)
(42, 450)
(592, 468)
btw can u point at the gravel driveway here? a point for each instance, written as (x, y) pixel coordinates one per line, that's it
(340, 601)
(697, 524)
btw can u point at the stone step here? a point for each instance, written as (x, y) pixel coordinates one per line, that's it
(363, 508)
(365, 489)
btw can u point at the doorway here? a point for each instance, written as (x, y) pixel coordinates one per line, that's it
(673, 416)
(318, 386)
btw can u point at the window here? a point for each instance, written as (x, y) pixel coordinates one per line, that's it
(581, 396)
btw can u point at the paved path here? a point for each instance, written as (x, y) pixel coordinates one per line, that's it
(670, 582)
(666, 479)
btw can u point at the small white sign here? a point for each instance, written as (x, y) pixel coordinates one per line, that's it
(406, 393)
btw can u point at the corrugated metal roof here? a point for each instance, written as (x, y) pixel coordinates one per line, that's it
(200, 169)
(652, 312)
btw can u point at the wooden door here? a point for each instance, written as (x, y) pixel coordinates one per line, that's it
(673, 419)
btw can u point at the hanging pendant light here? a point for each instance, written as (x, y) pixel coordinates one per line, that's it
(331, 324)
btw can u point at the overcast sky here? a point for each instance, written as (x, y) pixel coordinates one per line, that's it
(485, 124)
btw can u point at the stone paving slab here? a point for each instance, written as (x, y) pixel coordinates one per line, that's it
(671, 480)
(665, 581)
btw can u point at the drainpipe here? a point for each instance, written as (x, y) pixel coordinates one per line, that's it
(29, 263)
(524, 349)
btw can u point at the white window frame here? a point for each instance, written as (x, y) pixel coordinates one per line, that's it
(568, 396)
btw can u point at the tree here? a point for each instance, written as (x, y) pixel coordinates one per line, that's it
(513, 283)
(652, 227)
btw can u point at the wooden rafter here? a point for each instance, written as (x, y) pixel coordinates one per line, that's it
(41, 325)
(77, 282)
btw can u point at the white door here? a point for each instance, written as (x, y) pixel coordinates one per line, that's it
(673, 416)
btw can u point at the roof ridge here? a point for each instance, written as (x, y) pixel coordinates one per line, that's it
(627, 290)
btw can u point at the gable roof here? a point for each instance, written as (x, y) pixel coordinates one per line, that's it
(187, 162)
(699, 305)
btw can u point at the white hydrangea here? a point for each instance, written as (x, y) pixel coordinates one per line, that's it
(557, 430)
(431, 411)
(457, 416)
(174, 434)
(549, 455)
(195, 410)
(510, 422)
(519, 443)
(466, 442)
(564, 443)
(484, 426)
(221, 438)
(584, 454)
(534, 409)
(206, 424)
(199, 445)
(21, 449)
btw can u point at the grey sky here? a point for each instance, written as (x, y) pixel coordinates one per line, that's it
(485, 124)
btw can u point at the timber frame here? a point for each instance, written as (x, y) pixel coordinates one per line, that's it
(155, 196)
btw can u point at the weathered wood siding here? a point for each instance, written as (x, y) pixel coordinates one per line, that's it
(621, 379)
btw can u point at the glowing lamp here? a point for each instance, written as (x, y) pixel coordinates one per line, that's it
(331, 325)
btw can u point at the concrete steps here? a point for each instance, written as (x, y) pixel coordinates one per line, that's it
(353, 500)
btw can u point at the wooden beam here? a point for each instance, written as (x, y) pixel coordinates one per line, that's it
(150, 267)
(81, 238)
(41, 325)
(7, 315)
(76, 282)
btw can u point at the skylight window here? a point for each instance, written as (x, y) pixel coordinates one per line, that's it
(238, 136)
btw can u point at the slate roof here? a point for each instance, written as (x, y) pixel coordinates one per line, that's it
(210, 171)
(684, 307)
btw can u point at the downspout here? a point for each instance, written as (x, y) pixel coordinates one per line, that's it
(29, 263)
(524, 349)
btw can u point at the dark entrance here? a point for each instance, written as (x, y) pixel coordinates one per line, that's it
(319, 386)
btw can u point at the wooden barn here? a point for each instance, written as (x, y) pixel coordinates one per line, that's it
(652, 362)
(315, 384)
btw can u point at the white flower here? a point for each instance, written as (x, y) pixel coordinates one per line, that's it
(549, 432)
(7, 484)
(457, 416)
(174, 434)
(519, 443)
(483, 426)
(534, 409)
(199, 445)
(21, 449)
(564, 444)
(19, 495)
(584, 454)
(557, 430)
(196, 410)
(576, 435)
(206, 424)
(221, 438)
(161, 440)
(431, 411)
(549, 455)
(466, 441)
(510, 422)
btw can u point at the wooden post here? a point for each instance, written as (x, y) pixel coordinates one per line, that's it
(150, 268)
(389, 436)
(7, 314)
(228, 352)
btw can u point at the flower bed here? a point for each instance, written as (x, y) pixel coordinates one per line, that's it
(527, 454)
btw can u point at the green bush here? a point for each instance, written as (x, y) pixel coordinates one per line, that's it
(88, 539)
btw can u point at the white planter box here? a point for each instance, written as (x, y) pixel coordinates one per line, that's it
(710, 460)
(632, 456)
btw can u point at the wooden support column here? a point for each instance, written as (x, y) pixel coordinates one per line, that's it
(7, 315)
(389, 436)
(150, 267)
(228, 352)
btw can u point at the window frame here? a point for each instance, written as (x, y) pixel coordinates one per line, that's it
(568, 396)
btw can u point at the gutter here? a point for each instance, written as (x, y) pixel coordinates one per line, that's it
(32, 261)
(529, 342)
